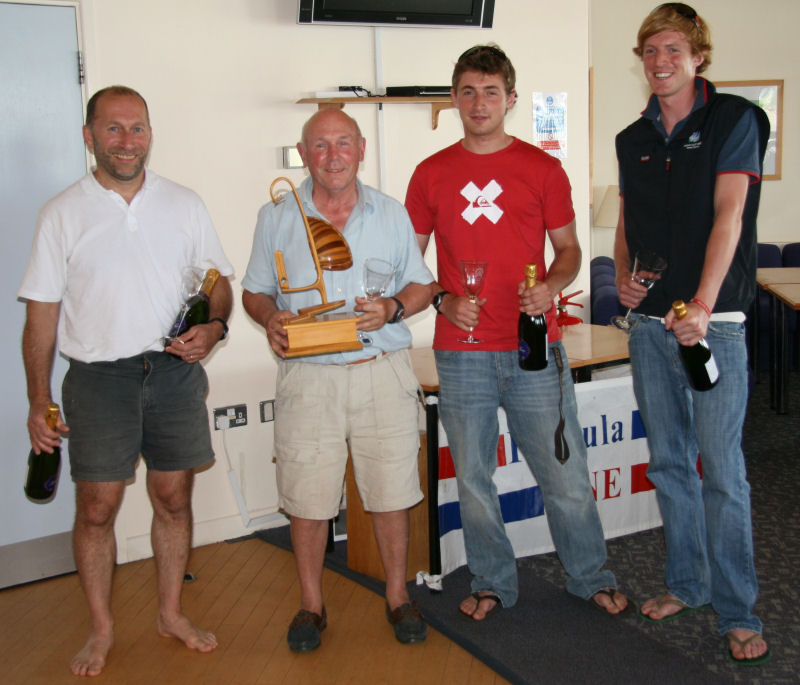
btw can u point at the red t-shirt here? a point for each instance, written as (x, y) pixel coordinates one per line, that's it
(493, 207)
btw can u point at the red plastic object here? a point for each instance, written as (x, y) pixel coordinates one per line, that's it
(564, 318)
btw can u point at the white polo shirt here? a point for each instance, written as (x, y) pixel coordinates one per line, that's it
(117, 268)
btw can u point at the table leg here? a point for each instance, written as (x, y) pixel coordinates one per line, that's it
(773, 352)
(752, 335)
(782, 359)
(583, 374)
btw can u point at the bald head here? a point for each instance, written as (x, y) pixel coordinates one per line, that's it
(326, 118)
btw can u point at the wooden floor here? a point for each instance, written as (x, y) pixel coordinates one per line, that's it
(247, 593)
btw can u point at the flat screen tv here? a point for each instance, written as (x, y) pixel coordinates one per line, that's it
(435, 13)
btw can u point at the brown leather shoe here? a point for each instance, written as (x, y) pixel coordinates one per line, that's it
(305, 629)
(408, 624)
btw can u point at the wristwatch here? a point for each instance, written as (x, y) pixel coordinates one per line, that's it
(224, 326)
(399, 313)
(437, 300)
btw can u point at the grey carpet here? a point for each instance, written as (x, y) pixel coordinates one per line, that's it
(551, 637)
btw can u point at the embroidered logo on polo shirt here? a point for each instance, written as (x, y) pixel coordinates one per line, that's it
(481, 202)
(694, 141)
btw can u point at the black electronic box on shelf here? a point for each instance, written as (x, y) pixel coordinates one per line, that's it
(416, 91)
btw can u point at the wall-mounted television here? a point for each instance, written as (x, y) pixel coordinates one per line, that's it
(434, 13)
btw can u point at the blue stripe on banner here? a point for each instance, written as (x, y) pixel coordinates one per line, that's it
(637, 426)
(516, 506)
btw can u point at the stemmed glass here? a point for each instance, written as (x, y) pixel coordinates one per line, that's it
(378, 274)
(472, 277)
(647, 269)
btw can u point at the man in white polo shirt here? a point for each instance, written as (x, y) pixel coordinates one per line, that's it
(104, 282)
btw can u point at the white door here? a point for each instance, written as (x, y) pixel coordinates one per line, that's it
(41, 153)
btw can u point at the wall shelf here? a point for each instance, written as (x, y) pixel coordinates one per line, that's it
(437, 103)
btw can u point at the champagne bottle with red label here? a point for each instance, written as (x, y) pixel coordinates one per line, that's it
(43, 468)
(195, 310)
(532, 332)
(699, 362)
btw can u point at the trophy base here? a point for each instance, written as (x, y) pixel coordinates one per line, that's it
(323, 334)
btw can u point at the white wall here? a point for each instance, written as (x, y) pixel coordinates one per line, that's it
(752, 41)
(221, 78)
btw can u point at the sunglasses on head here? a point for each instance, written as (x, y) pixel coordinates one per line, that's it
(685, 11)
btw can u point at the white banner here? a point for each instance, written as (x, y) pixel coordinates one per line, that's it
(617, 457)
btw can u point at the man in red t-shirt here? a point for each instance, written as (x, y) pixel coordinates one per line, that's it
(493, 197)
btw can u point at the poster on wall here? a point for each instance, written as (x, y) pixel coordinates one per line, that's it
(550, 123)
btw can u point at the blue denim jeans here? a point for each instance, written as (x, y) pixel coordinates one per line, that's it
(707, 523)
(472, 386)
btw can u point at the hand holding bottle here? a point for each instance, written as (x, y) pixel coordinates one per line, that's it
(44, 463)
(535, 299)
(532, 328)
(691, 327)
(192, 335)
(43, 437)
(698, 360)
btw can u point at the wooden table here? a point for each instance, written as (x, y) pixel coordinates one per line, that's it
(587, 346)
(779, 274)
(785, 301)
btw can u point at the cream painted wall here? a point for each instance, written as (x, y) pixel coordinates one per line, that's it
(751, 41)
(221, 78)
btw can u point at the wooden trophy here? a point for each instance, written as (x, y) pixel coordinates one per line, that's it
(314, 330)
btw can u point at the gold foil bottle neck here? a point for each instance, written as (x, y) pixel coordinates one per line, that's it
(530, 275)
(210, 280)
(51, 415)
(679, 307)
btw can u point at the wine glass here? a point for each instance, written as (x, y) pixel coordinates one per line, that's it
(647, 269)
(472, 277)
(378, 274)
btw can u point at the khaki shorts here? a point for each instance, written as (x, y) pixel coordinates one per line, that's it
(320, 409)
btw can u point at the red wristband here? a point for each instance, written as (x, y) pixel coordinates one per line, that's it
(702, 305)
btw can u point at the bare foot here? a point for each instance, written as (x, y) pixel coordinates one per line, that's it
(479, 605)
(610, 601)
(745, 645)
(91, 659)
(182, 628)
(663, 607)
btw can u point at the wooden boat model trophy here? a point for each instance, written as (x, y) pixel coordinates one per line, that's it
(314, 330)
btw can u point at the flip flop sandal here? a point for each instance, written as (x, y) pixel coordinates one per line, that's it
(479, 597)
(661, 601)
(610, 593)
(753, 661)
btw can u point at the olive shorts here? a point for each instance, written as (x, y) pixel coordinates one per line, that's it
(152, 404)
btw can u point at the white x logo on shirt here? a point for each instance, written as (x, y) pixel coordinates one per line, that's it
(482, 202)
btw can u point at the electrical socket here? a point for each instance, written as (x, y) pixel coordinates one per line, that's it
(267, 409)
(230, 417)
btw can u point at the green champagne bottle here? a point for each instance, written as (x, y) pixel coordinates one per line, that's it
(532, 332)
(195, 309)
(43, 468)
(700, 365)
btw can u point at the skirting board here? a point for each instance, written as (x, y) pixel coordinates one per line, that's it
(24, 562)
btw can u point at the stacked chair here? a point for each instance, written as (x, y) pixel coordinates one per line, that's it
(604, 299)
